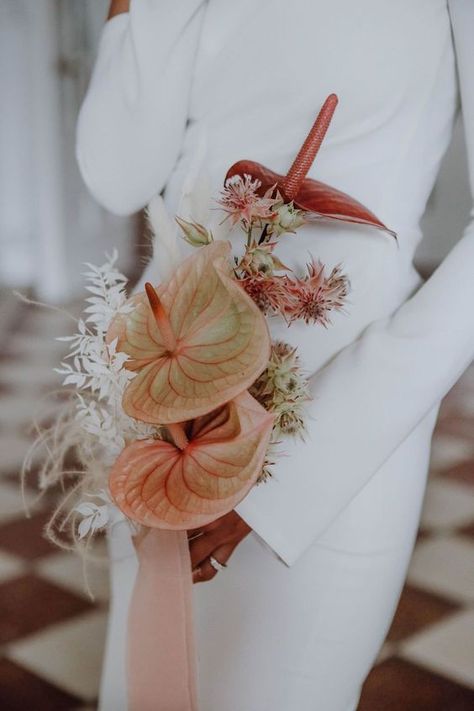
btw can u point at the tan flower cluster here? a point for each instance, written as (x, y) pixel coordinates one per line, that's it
(283, 389)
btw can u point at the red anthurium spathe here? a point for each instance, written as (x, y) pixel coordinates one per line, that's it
(214, 461)
(196, 341)
(317, 199)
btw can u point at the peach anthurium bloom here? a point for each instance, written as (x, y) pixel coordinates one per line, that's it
(215, 460)
(197, 341)
(317, 199)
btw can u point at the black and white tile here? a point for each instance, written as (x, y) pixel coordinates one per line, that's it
(52, 633)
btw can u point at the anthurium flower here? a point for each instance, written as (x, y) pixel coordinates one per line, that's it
(196, 341)
(316, 199)
(209, 467)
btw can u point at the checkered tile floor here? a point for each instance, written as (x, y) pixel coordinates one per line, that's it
(52, 634)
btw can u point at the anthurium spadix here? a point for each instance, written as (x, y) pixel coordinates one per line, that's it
(211, 465)
(317, 199)
(196, 341)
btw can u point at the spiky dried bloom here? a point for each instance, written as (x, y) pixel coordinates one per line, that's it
(239, 198)
(315, 295)
(310, 298)
(283, 389)
(255, 272)
(268, 292)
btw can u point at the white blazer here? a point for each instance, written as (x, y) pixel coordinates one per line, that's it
(372, 394)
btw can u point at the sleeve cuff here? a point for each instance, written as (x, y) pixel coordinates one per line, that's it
(266, 530)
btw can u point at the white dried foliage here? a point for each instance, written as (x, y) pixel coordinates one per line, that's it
(96, 370)
(92, 422)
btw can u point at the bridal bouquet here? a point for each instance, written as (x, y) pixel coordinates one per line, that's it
(179, 392)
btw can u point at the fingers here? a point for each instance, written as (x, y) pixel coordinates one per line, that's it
(193, 532)
(205, 570)
(203, 540)
(201, 547)
(219, 539)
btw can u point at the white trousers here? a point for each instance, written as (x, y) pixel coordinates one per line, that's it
(273, 638)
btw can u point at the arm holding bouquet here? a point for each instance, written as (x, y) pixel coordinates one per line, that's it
(405, 341)
(385, 382)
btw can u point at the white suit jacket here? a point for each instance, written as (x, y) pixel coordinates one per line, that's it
(376, 390)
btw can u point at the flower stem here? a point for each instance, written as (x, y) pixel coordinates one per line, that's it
(264, 234)
(249, 235)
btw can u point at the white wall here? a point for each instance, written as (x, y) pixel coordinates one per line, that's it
(49, 225)
(16, 145)
(95, 230)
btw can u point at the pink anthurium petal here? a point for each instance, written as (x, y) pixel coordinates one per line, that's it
(197, 341)
(162, 485)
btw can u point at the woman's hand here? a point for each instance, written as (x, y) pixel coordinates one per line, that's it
(117, 7)
(218, 539)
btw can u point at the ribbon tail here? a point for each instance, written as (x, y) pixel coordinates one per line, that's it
(161, 658)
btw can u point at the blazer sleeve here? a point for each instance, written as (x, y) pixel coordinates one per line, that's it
(385, 382)
(137, 102)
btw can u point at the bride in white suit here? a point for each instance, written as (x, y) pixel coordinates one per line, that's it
(297, 618)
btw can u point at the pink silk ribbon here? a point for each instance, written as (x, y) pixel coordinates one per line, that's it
(161, 658)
